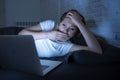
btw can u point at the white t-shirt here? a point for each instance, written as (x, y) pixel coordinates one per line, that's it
(49, 48)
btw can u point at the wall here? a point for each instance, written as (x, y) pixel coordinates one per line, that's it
(22, 11)
(2, 12)
(50, 9)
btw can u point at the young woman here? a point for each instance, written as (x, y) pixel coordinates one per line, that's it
(54, 40)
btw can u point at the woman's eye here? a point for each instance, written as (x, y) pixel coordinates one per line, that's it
(63, 24)
(72, 29)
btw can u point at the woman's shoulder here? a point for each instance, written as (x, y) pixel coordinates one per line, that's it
(47, 25)
(48, 21)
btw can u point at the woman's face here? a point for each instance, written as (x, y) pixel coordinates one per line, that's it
(67, 27)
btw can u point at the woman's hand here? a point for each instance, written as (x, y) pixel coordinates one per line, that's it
(58, 36)
(75, 17)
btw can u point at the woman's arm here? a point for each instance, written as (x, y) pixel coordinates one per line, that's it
(35, 31)
(92, 43)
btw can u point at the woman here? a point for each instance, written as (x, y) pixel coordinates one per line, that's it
(54, 40)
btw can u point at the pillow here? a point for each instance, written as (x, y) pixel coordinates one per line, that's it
(89, 58)
(110, 54)
(12, 30)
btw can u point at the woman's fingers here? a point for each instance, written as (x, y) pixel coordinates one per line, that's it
(57, 35)
(62, 37)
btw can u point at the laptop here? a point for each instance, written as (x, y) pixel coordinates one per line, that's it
(18, 52)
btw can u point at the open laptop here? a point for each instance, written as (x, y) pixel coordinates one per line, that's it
(18, 52)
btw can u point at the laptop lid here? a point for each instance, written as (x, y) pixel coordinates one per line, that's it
(18, 52)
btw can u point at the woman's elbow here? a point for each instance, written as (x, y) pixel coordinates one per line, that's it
(22, 32)
(99, 51)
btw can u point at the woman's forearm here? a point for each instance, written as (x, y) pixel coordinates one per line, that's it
(36, 34)
(91, 41)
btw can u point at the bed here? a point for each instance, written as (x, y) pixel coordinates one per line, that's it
(77, 65)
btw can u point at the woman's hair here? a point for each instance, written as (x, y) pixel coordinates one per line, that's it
(64, 15)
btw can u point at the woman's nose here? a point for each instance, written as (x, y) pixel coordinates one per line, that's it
(65, 30)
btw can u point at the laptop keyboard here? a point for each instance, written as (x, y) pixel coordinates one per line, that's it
(44, 67)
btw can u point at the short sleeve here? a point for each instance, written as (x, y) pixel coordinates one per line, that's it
(47, 25)
(65, 48)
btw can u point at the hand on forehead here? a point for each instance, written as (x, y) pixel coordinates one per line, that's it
(73, 13)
